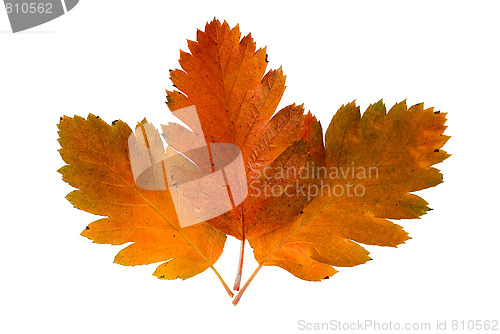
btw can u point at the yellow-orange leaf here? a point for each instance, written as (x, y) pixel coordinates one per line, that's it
(98, 165)
(398, 148)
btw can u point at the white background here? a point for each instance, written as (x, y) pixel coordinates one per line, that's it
(111, 58)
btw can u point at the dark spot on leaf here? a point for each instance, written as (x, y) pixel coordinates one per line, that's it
(326, 277)
(436, 150)
(114, 122)
(174, 86)
(301, 212)
(267, 58)
(87, 228)
(437, 112)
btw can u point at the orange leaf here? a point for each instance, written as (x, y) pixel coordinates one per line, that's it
(223, 77)
(398, 149)
(98, 165)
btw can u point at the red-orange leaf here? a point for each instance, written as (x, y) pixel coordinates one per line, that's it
(223, 77)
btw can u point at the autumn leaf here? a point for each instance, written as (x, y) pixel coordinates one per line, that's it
(98, 165)
(224, 78)
(386, 156)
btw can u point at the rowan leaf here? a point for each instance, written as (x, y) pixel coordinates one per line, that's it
(381, 158)
(224, 77)
(98, 165)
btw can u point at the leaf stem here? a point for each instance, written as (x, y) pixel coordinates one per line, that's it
(238, 296)
(237, 281)
(229, 292)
